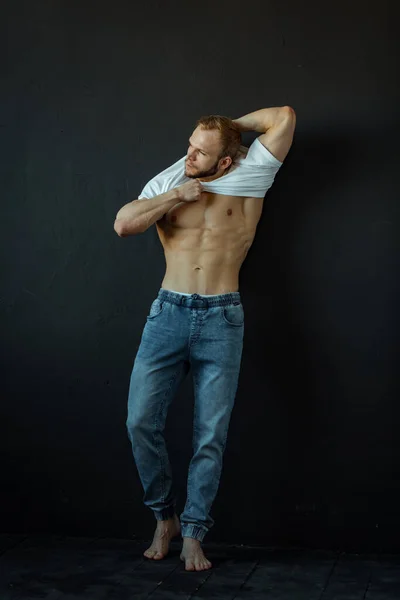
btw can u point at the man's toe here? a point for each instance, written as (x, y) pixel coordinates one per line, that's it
(189, 565)
(199, 565)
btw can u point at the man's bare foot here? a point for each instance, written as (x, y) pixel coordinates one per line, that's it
(193, 556)
(164, 533)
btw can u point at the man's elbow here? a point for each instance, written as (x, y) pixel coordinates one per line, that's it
(124, 229)
(288, 111)
(119, 227)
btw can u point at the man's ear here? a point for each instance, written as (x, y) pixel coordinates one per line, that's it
(226, 162)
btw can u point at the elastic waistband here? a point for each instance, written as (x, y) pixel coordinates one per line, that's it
(197, 300)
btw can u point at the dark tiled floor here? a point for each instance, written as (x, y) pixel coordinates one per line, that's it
(61, 568)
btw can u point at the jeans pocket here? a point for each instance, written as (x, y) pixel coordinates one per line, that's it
(155, 309)
(233, 314)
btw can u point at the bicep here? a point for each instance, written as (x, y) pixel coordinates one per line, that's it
(278, 139)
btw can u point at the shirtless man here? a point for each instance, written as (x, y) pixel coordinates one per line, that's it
(197, 320)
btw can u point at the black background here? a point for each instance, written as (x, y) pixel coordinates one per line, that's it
(97, 98)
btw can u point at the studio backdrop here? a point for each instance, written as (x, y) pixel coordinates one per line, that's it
(96, 99)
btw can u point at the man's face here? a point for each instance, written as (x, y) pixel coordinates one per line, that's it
(202, 155)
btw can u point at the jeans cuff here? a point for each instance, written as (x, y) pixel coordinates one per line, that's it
(193, 531)
(164, 513)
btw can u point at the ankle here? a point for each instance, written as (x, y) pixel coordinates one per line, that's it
(167, 523)
(192, 541)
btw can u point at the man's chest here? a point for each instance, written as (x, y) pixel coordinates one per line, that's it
(211, 211)
(212, 223)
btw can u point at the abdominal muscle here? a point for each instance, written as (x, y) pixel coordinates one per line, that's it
(205, 243)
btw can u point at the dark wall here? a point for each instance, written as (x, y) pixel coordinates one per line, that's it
(96, 99)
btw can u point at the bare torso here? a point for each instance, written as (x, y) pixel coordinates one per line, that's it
(205, 242)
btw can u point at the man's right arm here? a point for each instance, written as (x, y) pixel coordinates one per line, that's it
(138, 215)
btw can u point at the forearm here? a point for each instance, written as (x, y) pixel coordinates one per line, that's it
(262, 120)
(137, 216)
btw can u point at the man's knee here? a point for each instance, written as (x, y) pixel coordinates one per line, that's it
(137, 425)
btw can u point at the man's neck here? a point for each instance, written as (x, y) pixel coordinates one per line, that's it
(216, 176)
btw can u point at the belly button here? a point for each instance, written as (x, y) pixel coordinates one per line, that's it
(229, 211)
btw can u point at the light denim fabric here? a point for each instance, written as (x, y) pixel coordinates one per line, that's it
(183, 332)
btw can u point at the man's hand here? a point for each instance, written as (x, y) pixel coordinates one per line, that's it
(190, 191)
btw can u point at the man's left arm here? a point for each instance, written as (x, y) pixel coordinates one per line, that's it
(277, 125)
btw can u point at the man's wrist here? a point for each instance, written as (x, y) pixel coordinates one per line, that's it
(175, 194)
(240, 125)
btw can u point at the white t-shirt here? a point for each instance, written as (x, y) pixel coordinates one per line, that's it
(251, 174)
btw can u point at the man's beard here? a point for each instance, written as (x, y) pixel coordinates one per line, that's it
(201, 174)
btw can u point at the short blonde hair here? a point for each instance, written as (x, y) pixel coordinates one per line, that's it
(231, 139)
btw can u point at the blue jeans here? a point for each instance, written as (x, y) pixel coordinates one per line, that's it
(204, 333)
